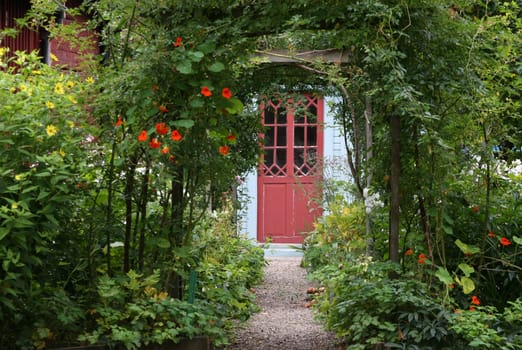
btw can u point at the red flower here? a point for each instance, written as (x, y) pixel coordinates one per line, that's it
(155, 87)
(471, 308)
(231, 138)
(505, 242)
(491, 234)
(119, 122)
(179, 42)
(162, 109)
(475, 209)
(162, 129)
(165, 150)
(176, 136)
(154, 143)
(205, 91)
(226, 93)
(223, 150)
(475, 300)
(422, 258)
(408, 252)
(142, 136)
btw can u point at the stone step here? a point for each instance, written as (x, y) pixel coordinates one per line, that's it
(275, 250)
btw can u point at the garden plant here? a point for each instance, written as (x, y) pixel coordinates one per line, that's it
(118, 182)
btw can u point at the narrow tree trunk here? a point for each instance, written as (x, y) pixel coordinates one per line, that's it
(395, 128)
(174, 282)
(143, 211)
(129, 186)
(369, 156)
(109, 216)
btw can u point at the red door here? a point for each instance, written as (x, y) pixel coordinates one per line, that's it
(288, 196)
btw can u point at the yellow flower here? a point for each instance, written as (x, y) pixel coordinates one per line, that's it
(90, 80)
(2, 51)
(61, 152)
(54, 58)
(69, 84)
(58, 88)
(14, 205)
(49, 104)
(51, 130)
(23, 87)
(70, 123)
(19, 177)
(36, 72)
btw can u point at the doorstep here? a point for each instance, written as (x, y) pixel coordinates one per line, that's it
(282, 250)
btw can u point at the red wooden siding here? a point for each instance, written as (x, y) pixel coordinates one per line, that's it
(26, 40)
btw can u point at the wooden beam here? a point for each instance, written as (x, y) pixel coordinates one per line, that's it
(288, 56)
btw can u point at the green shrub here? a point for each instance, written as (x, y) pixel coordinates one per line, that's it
(484, 327)
(363, 305)
(132, 313)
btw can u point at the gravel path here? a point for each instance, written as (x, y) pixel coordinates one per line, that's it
(284, 322)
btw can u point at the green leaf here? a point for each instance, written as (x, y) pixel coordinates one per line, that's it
(163, 243)
(197, 103)
(444, 276)
(216, 67)
(184, 67)
(196, 56)
(467, 285)
(517, 240)
(4, 231)
(467, 249)
(183, 123)
(467, 269)
(237, 106)
(207, 47)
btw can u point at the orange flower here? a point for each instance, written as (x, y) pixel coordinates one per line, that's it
(179, 42)
(154, 143)
(119, 122)
(231, 138)
(205, 91)
(176, 136)
(162, 109)
(165, 150)
(471, 308)
(475, 300)
(223, 150)
(422, 258)
(142, 136)
(505, 242)
(155, 87)
(226, 93)
(162, 129)
(475, 208)
(408, 252)
(491, 234)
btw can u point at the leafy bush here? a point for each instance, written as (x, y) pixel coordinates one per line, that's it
(484, 327)
(362, 304)
(134, 313)
(44, 147)
(336, 235)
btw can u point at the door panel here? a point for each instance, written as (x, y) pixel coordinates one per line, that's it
(290, 169)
